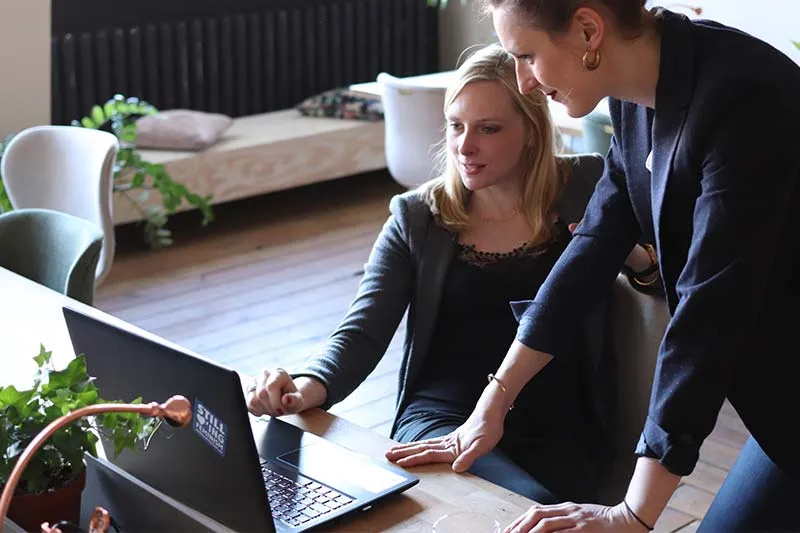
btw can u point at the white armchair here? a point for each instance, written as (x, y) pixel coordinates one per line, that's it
(414, 125)
(68, 169)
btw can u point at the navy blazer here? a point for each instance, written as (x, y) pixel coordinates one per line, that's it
(722, 205)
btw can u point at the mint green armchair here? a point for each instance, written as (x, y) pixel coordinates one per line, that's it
(55, 249)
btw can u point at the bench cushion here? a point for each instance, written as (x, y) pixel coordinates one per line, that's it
(181, 129)
(269, 152)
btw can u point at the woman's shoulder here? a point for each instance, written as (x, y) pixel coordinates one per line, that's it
(410, 206)
(733, 65)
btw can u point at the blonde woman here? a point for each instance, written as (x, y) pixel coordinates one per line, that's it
(455, 253)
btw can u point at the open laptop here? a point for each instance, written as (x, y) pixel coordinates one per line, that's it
(248, 474)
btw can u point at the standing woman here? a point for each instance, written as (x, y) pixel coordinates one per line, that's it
(705, 164)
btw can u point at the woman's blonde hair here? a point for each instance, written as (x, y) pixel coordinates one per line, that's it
(544, 174)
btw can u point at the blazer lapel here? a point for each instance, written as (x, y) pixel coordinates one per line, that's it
(673, 96)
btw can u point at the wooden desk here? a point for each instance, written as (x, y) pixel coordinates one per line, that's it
(32, 314)
(566, 124)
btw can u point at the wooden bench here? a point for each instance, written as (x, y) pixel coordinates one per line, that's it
(269, 152)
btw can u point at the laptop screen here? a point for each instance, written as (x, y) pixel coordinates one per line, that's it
(213, 464)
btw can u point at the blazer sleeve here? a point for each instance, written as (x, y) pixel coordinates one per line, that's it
(361, 339)
(584, 274)
(749, 172)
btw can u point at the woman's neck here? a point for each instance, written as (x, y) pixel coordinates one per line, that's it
(635, 66)
(495, 203)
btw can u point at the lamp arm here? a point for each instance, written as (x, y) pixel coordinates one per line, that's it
(177, 410)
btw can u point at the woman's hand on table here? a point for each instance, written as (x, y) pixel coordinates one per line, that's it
(571, 518)
(474, 438)
(274, 393)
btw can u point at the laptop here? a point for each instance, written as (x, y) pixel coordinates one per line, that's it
(248, 473)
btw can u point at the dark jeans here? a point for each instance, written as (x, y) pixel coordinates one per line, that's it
(757, 496)
(501, 470)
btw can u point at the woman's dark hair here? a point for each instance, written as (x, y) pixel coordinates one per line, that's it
(554, 16)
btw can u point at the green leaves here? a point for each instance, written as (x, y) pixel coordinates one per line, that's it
(43, 358)
(796, 44)
(115, 113)
(23, 414)
(132, 173)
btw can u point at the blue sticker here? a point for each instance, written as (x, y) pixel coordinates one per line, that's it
(210, 427)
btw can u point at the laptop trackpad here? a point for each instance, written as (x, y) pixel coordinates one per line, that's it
(337, 468)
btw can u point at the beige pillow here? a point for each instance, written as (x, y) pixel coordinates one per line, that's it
(181, 129)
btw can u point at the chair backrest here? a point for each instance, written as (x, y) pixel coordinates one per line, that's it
(585, 172)
(633, 325)
(65, 168)
(55, 249)
(414, 125)
(637, 325)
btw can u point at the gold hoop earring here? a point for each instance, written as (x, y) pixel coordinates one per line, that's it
(591, 65)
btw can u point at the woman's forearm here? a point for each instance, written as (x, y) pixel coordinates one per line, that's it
(650, 489)
(518, 367)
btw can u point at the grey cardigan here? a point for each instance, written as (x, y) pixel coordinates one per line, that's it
(406, 270)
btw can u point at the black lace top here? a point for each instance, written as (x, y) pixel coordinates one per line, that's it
(475, 328)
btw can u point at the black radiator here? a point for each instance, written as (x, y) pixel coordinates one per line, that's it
(237, 57)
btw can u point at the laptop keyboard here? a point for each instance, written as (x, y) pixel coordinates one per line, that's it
(297, 501)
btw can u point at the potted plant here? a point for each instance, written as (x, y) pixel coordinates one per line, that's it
(51, 485)
(134, 177)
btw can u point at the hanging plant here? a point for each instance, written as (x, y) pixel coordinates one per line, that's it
(134, 178)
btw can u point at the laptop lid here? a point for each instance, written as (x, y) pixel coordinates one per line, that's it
(215, 464)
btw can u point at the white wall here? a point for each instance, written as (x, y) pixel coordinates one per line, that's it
(461, 26)
(774, 21)
(25, 64)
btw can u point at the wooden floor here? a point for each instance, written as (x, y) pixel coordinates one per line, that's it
(267, 282)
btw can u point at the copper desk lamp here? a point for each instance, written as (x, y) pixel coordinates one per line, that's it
(177, 411)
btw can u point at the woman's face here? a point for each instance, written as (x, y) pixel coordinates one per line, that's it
(551, 66)
(485, 135)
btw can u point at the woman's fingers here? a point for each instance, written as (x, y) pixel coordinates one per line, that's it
(400, 451)
(556, 523)
(436, 450)
(275, 383)
(572, 225)
(544, 518)
(270, 390)
(427, 457)
(254, 405)
(292, 402)
(257, 401)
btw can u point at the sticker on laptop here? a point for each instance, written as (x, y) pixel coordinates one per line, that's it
(210, 427)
